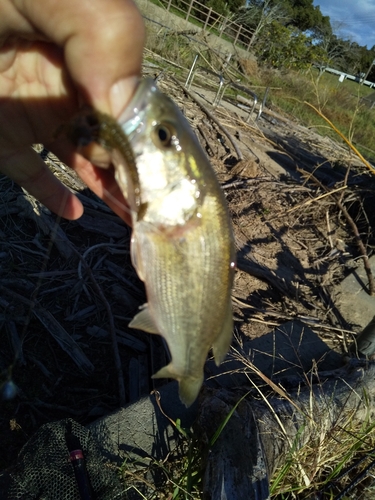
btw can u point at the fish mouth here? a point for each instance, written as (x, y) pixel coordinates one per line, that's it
(132, 118)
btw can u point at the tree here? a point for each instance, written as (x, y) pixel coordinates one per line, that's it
(258, 14)
(332, 48)
(285, 47)
(371, 75)
(303, 14)
(235, 5)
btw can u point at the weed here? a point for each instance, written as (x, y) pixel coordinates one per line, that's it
(330, 461)
(183, 468)
(334, 459)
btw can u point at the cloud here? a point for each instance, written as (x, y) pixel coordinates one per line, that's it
(355, 20)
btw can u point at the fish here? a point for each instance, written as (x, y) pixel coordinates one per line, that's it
(182, 244)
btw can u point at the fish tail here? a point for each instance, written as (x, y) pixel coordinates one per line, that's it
(189, 386)
(189, 389)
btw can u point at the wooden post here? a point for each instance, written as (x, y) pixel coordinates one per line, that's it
(189, 10)
(207, 19)
(251, 42)
(223, 27)
(237, 35)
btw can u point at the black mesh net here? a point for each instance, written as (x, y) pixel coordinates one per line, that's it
(44, 470)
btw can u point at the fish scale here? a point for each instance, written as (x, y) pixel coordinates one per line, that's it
(179, 293)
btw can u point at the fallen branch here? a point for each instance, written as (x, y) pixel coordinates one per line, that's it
(353, 225)
(211, 117)
(116, 354)
(58, 332)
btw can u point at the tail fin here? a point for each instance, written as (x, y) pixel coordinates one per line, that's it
(189, 386)
(189, 389)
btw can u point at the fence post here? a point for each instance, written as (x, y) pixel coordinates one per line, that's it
(207, 19)
(251, 42)
(189, 10)
(226, 62)
(169, 5)
(190, 75)
(223, 26)
(237, 34)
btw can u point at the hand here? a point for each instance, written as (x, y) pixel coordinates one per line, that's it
(54, 55)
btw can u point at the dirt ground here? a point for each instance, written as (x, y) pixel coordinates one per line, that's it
(67, 286)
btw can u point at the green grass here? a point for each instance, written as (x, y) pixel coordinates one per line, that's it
(333, 81)
(339, 102)
(196, 22)
(184, 468)
(325, 465)
(329, 461)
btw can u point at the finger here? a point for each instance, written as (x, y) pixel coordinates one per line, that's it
(28, 170)
(101, 181)
(103, 44)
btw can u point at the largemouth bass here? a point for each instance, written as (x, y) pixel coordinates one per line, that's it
(182, 243)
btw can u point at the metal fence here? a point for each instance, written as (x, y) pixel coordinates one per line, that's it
(211, 20)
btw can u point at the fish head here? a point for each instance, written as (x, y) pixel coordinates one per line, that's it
(153, 121)
(172, 166)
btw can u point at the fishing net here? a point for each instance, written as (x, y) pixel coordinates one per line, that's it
(44, 471)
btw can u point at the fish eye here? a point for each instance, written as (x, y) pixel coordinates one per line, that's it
(163, 134)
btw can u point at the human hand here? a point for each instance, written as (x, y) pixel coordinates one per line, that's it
(55, 55)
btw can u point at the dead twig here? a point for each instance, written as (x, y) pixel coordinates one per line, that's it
(211, 117)
(116, 354)
(352, 147)
(312, 200)
(58, 332)
(353, 225)
(280, 317)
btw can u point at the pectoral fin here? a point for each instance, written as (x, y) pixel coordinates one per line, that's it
(143, 321)
(189, 386)
(223, 341)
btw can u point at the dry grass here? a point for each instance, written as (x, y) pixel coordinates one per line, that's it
(330, 461)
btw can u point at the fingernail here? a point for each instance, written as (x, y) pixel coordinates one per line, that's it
(121, 93)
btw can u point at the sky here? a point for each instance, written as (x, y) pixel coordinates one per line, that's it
(356, 17)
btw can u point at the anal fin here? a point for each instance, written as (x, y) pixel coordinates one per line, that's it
(143, 321)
